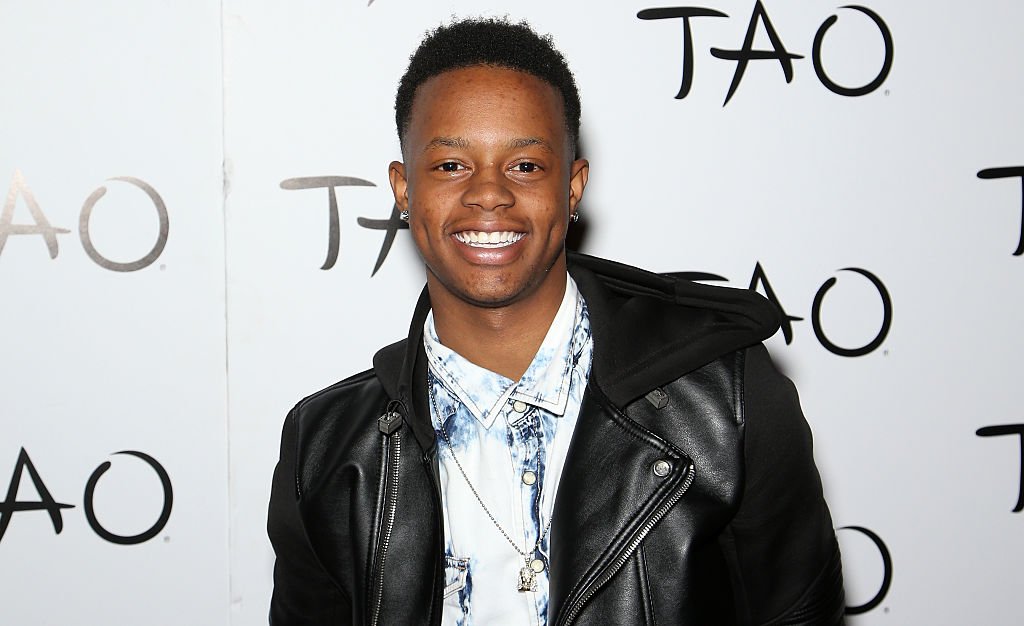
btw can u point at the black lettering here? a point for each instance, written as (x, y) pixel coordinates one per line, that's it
(11, 504)
(747, 53)
(165, 513)
(1010, 429)
(760, 278)
(42, 225)
(819, 69)
(161, 238)
(989, 174)
(685, 13)
(886, 316)
(334, 228)
(883, 589)
(390, 227)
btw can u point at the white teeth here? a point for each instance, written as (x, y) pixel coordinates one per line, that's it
(492, 239)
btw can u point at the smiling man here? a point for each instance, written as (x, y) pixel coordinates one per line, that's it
(560, 439)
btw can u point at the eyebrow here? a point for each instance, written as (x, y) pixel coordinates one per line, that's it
(530, 141)
(463, 143)
(446, 142)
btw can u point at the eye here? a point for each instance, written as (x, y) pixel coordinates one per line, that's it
(450, 167)
(526, 167)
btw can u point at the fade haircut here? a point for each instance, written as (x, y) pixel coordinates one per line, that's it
(488, 41)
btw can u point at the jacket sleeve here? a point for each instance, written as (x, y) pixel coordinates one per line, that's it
(304, 595)
(781, 546)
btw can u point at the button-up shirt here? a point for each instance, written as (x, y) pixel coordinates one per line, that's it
(500, 456)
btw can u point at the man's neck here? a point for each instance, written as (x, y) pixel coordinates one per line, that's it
(503, 339)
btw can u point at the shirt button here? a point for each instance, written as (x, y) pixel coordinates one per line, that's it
(529, 477)
(662, 468)
(537, 565)
(519, 406)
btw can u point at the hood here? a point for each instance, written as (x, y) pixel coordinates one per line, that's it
(650, 329)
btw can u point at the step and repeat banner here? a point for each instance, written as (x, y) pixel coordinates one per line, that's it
(113, 389)
(198, 231)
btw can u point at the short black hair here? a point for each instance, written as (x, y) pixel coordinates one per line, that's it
(488, 41)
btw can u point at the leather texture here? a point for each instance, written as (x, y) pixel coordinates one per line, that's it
(737, 532)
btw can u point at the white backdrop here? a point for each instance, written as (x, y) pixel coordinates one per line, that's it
(236, 115)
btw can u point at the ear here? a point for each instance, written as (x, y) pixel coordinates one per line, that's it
(578, 174)
(399, 185)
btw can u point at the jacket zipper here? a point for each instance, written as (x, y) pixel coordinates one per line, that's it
(391, 454)
(428, 460)
(577, 606)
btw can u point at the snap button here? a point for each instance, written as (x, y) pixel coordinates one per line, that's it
(662, 468)
(658, 398)
(529, 477)
(519, 406)
(537, 565)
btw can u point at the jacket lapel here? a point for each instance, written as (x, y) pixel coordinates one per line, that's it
(609, 496)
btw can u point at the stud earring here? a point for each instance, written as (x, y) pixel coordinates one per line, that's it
(404, 215)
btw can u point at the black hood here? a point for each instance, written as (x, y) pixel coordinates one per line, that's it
(650, 329)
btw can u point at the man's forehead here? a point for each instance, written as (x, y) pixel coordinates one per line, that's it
(486, 71)
(465, 143)
(482, 79)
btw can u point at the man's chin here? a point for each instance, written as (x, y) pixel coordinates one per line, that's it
(496, 294)
(491, 288)
(490, 299)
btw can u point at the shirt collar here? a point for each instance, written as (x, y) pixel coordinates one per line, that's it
(546, 381)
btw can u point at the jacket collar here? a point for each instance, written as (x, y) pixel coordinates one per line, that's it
(649, 329)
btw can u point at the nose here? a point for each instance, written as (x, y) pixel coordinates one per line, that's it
(488, 189)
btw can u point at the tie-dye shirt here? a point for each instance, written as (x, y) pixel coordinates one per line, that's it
(511, 439)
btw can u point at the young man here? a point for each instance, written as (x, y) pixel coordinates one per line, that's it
(560, 439)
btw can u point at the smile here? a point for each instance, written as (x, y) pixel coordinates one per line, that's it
(482, 239)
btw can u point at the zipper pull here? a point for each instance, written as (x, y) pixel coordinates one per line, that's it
(392, 420)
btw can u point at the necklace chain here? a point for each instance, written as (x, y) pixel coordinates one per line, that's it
(451, 448)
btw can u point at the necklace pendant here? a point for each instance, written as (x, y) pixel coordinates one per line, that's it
(527, 579)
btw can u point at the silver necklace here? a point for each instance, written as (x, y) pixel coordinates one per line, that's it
(528, 573)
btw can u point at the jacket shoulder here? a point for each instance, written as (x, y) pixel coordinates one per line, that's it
(333, 401)
(336, 423)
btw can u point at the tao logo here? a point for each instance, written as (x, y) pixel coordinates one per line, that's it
(746, 53)
(46, 502)
(48, 232)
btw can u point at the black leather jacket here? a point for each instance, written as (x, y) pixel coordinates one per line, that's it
(736, 532)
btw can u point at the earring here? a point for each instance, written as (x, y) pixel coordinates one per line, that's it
(575, 217)
(404, 215)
